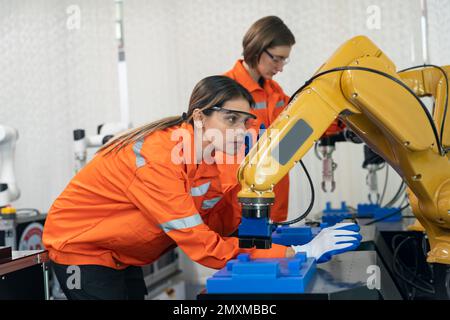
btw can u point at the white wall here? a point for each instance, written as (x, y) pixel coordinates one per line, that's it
(170, 45)
(54, 79)
(439, 35)
(439, 31)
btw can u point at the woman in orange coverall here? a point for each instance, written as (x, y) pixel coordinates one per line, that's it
(266, 49)
(149, 190)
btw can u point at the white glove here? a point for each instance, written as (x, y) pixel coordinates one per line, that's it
(330, 241)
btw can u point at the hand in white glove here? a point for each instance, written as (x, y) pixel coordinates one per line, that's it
(330, 241)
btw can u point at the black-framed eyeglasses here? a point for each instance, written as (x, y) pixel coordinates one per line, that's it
(277, 59)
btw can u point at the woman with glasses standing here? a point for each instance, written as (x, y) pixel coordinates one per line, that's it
(267, 46)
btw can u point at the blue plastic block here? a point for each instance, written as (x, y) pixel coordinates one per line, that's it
(330, 210)
(333, 219)
(333, 216)
(257, 227)
(245, 275)
(382, 212)
(294, 236)
(366, 209)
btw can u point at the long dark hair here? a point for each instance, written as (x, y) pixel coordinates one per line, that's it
(210, 91)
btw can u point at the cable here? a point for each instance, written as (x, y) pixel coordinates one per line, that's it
(349, 68)
(447, 284)
(385, 186)
(405, 199)
(387, 216)
(412, 294)
(397, 196)
(409, 289)
(446, 94)
(402, 277)
(311, 203)
(394, 199)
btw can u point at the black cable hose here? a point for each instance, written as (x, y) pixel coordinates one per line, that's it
(386, 179)
(397, 195)
(400, 191)
(387, 216)
(352, 68)
(403, 266)
(311, 203)
(446, 95)
(402, 277)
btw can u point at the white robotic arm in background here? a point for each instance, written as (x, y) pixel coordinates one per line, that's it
(8, 187)
(82, 142)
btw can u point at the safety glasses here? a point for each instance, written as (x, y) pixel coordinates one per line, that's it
(277, 59)
(235, 118)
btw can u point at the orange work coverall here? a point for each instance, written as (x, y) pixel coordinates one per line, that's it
(270, 100)
(129, 208)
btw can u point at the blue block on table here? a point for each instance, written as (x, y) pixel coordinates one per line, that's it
(295, 236)
(333, 216)
(367, 210)
(245, 275)
(382, 212)
(343, 209)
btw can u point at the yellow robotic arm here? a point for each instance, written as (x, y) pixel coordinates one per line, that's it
(431, 81)
(360, 85)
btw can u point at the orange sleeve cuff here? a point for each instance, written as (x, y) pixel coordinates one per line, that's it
(277, 251)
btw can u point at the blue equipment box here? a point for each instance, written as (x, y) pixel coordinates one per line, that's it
(246, 275)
